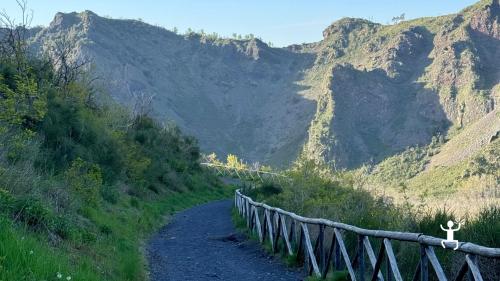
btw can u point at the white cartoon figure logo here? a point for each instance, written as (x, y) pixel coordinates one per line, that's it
(449, 234)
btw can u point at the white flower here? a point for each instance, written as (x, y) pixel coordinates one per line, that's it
(59, 275)
(68, 278)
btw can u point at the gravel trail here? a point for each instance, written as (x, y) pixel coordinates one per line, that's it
(201, 243)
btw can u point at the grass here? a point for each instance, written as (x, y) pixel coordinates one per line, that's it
(332, 276)
(313, 192)
(84, 181)
(407, 178)
(241, 225)
(25, 255)
(289, 260)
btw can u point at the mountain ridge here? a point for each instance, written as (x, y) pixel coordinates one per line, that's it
(365, 92)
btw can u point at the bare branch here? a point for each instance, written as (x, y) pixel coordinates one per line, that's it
(13, 35)
(67, 66)
(142, 101)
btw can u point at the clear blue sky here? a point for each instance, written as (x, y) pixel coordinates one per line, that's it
(282, 22)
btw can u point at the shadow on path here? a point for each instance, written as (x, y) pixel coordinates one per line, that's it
(200, 244)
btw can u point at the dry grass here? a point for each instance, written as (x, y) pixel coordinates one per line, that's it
(468, 142)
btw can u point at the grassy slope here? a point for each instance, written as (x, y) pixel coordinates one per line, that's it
(408, 176)
(26, 255)
(71, 224)
(82, 182)
(468, 142)
(313, 192)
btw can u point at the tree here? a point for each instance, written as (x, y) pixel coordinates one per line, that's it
(175, 30)
(212, 159)
(13, 36)
(398, 19)
(67, 67)
(21, 101)
(232, 161)
(142, 102)
(22, 104)
(214, 36)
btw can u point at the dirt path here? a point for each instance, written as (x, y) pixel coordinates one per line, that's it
(200, 244)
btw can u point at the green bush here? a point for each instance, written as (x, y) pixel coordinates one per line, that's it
(6, 201)
(110, 194)
(32, 212)
(134, 202)
(71, 130)
(84, 175)
(485, 228)
(85, 179)
(105, 229)
(313, 191)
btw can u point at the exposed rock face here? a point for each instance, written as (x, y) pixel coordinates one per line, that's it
(235, 96)
(400, 85)
(366, 91)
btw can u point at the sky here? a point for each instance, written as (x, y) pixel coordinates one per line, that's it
(282, 22)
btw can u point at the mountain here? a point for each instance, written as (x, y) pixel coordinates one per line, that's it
(235, 96)
(364, 93)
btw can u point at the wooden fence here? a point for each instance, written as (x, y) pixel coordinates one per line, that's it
(244, 174)
(280, 227)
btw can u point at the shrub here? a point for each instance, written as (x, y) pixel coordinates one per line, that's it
(85, 179)
(110, 194)
(134, 202)
(315, 192)
(105, 229)
(32, 212)
(6, 201)
(71, 130)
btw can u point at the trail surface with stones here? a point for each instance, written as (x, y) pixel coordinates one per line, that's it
(202, 243)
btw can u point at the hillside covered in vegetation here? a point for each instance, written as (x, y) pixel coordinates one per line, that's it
(393, 121)
(317, 192)
(82, 180)
(365, 92)
(408, 104)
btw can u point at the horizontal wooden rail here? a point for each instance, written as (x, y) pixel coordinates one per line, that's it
(244, 174)
(275, 223)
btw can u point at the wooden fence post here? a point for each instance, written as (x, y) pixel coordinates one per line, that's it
(321, 246)
(424, 264)
(361, 258)
(274, 226)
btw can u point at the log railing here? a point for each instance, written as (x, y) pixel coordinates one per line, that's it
(243, 174)
(280, 227)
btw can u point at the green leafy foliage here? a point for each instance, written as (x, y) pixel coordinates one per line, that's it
(71, 130)
(407, 164)
(83, 182)
(22, 103)
(314, 191)
(85, 179)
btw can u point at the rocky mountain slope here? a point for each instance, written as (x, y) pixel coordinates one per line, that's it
(365, 92)
(235, 96)
(396, 86)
